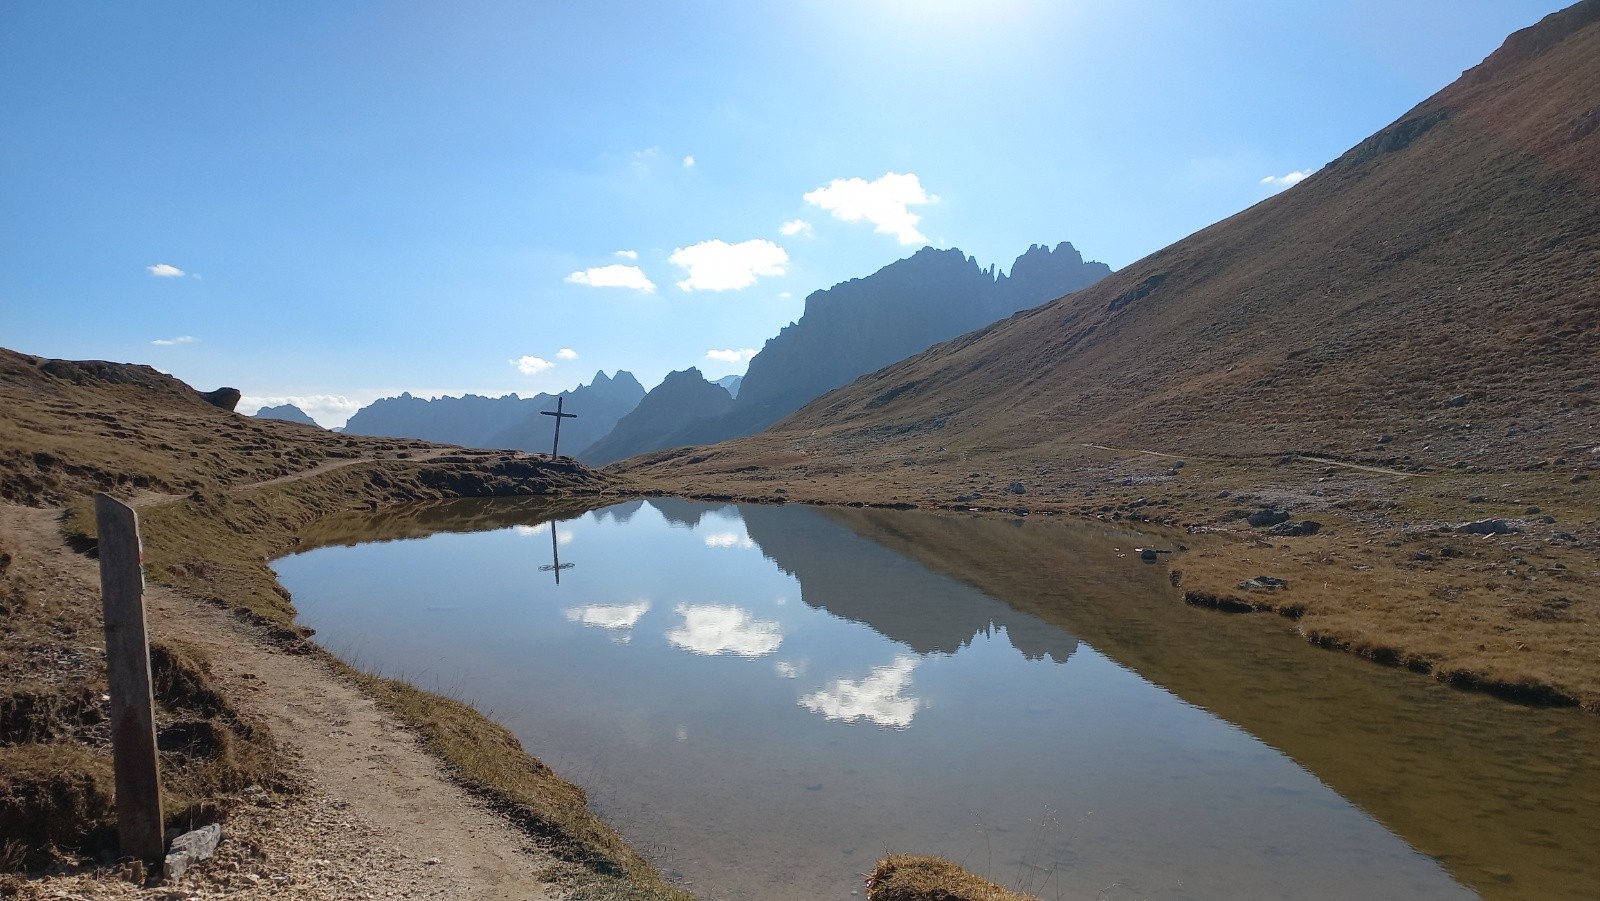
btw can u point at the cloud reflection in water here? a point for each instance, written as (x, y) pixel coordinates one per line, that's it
(608, 616)
(715, 629)
(878, 698)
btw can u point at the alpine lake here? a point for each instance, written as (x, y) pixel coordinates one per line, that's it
(765, 700)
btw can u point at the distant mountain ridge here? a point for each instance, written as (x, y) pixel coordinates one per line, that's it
(681, 397)
(863, 324)
(510, 422)
(287, 413)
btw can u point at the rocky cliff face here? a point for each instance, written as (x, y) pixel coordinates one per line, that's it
(503, 422)
(681, 398)
(867, 323)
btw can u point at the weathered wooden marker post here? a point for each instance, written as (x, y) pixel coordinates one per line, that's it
(560, 399)
(133, 721)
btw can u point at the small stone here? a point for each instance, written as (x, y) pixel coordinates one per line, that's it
(191, 848)
(1296, 529)
(1385, 438)
(1460, 400)
(1264, 583)
(1017, 488)
(432, 861)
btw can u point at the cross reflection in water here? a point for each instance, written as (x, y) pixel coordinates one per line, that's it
(556, 566)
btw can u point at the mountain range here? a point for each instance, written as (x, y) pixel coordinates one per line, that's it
(853, 328)
(509, 422)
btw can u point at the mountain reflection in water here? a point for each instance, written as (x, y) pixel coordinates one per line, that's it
(930, 693)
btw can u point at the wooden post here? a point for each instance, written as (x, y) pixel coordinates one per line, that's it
(133, 721)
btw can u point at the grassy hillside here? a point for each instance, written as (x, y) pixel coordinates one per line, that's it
(219, 494)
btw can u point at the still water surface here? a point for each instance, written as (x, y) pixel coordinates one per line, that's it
(765, 700)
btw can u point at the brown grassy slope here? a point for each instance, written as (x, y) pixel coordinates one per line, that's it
(1455, 252)
(219, 495)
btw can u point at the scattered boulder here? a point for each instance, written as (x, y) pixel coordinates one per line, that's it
(1267, 516)
(1017, 488)
(1264, 583)
(1487, 527)
(1296, 529)
(1460, 400)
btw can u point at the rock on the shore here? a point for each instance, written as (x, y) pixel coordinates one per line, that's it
(190, 848)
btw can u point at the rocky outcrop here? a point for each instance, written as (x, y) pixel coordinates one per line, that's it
(226, 398)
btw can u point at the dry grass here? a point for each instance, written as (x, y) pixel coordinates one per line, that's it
(904, 877)
(219, 496)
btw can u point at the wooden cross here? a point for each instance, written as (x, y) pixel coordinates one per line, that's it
(559, 416)
(555, 551)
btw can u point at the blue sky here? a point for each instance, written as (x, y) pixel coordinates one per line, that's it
(339, 201)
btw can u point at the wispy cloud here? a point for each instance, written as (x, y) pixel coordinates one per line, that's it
(731, 356)
(1285, 181)
(717, 265)
(168, 342)
(884, 202)
(529, 365)
(164, 270)
(796, 227)
(608, 616)
(566, 353)
(627, 254)
(615, 275)
(688, 162)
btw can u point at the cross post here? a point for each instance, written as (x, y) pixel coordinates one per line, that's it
(556, 445)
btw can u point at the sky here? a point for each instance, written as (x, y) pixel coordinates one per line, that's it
(327, 203)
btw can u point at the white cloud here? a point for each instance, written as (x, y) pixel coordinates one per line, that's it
(530, 531)
(528, 365)
(731, 356)
(608, 616)
(795, 227)
(164, 270)
(615, 275)
(719, 266)
(785, 295)
(883, 203)
(566, 353)
(627, 254)
(879, 697)
(168, 342)
(1285, 181)
(688, 162)
(789, 670)
(717, 629)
